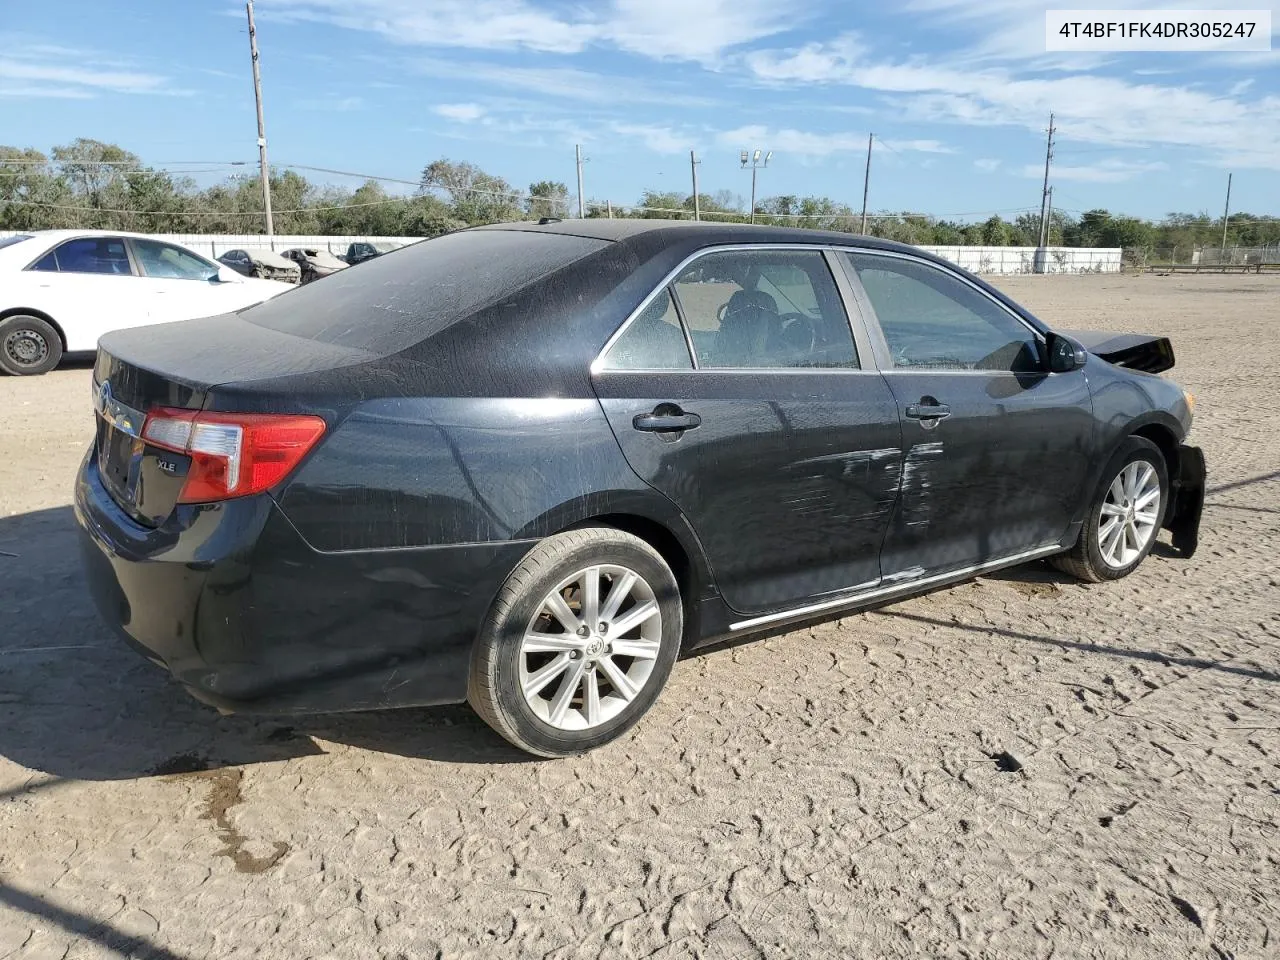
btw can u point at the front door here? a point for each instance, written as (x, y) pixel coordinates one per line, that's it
(179, 282)
(996, 449)
(778, 447)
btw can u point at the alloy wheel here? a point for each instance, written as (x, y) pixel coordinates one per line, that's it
(591, 647)
(1130, 514)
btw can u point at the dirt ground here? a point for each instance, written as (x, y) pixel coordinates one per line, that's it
(1016, 767)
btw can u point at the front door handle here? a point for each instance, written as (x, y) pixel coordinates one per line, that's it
(928, 409)
(666, 421)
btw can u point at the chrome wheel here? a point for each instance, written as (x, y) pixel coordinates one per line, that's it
(26, 347)
(590, 648)
(1130, 514)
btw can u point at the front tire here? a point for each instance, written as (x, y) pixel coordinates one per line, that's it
(29, 346)
(578, 643)
(1125, 519)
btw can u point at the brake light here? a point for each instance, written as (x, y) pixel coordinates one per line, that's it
(232, 454)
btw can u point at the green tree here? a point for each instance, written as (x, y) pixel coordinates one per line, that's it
(477, 197)
(548, 198)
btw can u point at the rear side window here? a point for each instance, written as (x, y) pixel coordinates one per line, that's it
(653, 341)
(399, 299)
(89, 255)
(765, 309)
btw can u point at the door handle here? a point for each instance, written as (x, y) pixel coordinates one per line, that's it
(928, 409)
(663, 422)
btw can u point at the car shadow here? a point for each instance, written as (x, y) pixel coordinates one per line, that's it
(77, 703)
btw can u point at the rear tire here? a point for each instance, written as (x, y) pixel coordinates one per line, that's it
(560, 683)
(29, 346)
(1125, 518)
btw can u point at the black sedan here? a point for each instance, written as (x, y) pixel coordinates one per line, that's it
(527, 465)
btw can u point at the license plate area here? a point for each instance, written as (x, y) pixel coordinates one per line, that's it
(118, 453)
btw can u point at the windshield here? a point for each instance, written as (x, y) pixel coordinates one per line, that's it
(405, 296)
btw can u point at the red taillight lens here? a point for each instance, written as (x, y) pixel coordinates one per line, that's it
(232, 454)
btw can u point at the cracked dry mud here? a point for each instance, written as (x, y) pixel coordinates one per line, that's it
(1021, 766)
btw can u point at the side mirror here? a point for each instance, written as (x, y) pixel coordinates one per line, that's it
(225, 275)
(1063, 354)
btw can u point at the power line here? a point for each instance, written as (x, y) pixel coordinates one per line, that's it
(120, 163)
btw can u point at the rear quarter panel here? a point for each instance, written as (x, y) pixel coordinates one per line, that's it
(415, 472)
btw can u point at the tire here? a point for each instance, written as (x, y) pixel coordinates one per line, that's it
(1095, 557)
(551, 722)
(29, 346)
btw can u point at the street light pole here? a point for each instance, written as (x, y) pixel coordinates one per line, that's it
(754, 162)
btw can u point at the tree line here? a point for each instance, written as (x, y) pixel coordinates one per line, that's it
(88, 183)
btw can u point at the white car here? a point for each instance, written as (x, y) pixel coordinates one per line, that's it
(60, 290)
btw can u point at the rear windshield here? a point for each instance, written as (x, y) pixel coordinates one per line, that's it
(10, 241)
(391, 302)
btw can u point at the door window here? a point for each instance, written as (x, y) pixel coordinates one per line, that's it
(167, 262)
(933, 320)
(765, 309)
(88, 255)
(653, 341)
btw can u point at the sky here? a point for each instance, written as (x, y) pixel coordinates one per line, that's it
(957, 93)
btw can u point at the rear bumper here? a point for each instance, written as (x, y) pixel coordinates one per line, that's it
(1187, 501)
(249, 618)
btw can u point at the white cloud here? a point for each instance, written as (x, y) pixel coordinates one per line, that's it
(987, 164)
(462, 112)
(1089, 107)
(812, 144)
(660, 29)
(657, 138)
(563, 82)
(1106, 171)
(332, 104)
(36, 74)
(32, 68)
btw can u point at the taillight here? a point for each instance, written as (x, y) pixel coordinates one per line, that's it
(232, 454)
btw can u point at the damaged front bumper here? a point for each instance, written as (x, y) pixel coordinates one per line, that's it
(1186, 501)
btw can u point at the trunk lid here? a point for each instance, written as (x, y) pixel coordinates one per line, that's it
(180, 365)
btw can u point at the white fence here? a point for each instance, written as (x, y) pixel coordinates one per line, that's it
(1032, 259)
(974, 259)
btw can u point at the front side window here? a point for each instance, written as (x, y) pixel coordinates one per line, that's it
(88, 255)
(653, 341)
(934, 320)
(767, 309)
(166, 262)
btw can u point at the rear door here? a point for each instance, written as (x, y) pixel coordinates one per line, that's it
(776, 437)
(88, 285)
(996, 448)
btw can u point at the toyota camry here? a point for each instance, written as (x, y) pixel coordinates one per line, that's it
(527, 465)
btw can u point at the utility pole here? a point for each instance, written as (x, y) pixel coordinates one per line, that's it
(866, 182)
(262, 130)
(1044, 195)
(577, 152)
(693, 166)
(1048, 220)
(1226, 214)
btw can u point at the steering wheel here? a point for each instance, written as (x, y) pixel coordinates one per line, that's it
(799, 332)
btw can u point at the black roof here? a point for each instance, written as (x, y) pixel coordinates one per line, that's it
(706, 232)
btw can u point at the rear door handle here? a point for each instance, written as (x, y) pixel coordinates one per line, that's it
(665, 422)
(928, 411)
